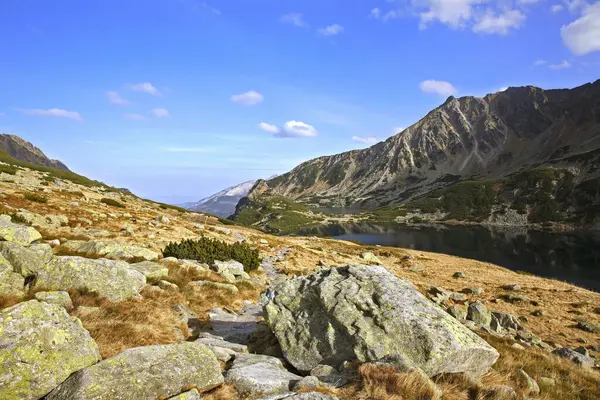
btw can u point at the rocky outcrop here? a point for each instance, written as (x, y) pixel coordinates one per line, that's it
(116, 250)
(367, 314)
(144, 373)
(151, 270)
(23, 150)
(40, 346)
(112, 279)
(11, 283)
(26, 260)
(256, 374)
(20, 234)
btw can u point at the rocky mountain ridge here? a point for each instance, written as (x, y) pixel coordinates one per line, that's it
(465, 138)
(24, 151)
(222, 204)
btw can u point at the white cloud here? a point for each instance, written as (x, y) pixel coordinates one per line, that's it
(145, 87)
(557, 8)
(454, 13)
(365, 140)
(134, 117)
(582, 36)
(442, 88)
(270, 128)
(576, 5)
(114, 98)
(290, 129)
(375, 13)
(491, 22)
(562, 65)
(538, 63)
(248, 99)
(331, 30)
(502, 89)
(295, 19)
(54, 112)
(160, 112)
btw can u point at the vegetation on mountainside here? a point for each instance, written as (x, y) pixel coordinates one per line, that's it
(543, 194)
(208, 250)
(8, 169)
(275, 214)
(38, 198)
(112, 202)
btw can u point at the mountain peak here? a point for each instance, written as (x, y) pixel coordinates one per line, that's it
(23, 150)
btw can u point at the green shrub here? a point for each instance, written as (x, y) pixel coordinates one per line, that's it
(164, 206)
(18, 219)
(8, 169)
(208, 250)
(112, 202)
(38, 198)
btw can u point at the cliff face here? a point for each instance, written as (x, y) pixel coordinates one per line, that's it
(22, 150)
(464, 138)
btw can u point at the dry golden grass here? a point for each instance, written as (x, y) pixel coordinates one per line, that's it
(224, 392)
(132, 323)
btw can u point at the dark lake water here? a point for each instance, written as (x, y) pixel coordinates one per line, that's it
(569, 257)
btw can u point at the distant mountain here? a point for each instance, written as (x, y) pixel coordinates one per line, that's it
(22, 150)
(222, 204)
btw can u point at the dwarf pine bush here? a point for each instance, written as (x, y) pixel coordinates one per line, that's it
(208, 250)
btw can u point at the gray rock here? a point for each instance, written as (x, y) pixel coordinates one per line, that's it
(59, 298)
(514, 287)
(234, 267)
(222, 353)
(168, 286)
(108, 278)
(253, 374)
(529, 384)
(515, 298)
(26, 260)
(144, 373)
(582, 350)
(458, 296)
(367, 314)
(151, 270)
(40, 346)
(370, 258)
(16, 233)
(300, 396)
(473, 290)
(190, 395)
(163, 219)
(458, 275)
(417, 268)
(538, 313)
(216, 342)
(478, 313)
(507, 321)
(458, 312)
(517, 346)
(11, 283)
(575, 357)
(307, 383)
(588, 327)
(330, 375)
(108, 249)
(235, 328)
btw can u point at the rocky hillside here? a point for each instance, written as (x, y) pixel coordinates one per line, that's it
(222, 204)
(24, 151)
(465, 138)
(100, 299)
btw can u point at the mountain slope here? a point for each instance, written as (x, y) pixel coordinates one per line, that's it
(222, 204)
(23, 150)
(464, 138)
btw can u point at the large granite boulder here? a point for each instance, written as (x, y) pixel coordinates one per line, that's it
(367, 314)
(144, 373)
(112, 279)
(151, 270)
(26, 260)
(11, 232)
(11, 283)
(108, 249)
(253, 374)
(40, 346)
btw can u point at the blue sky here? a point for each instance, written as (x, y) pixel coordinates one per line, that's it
(176, 99)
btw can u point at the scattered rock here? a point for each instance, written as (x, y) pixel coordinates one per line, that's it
(367, 314)
(457, 311)
(417, 268)
(263, 241)
(144, 373)
(515, 298)
(514, 287)
(151, 270)
(458, 275)
(582, 350)
(330, 375)
(507, 321)
(191, 395)
(588, 327)
(168, 286)
(16, 233)
(529, 384)
(112, 279)
(116, 250)
(40, 346)
(59, 298)
(163, 219)
(370, 258)
(473, 290)
(458, 296)
(203, 285)
(235, 328)
(300, 396)
(54, 242)
(307, 383)
(255, 374)
(233, 267)
(575, 357)
(219, 342)
(498, 392)
(538, 313)
(478, 313)
(517, 346)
